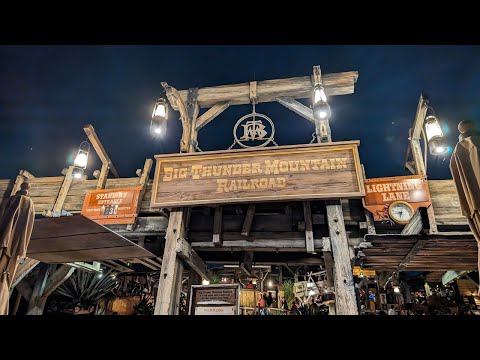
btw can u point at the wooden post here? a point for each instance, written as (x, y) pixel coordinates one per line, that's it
(416, 150)
(170, 283)
(345, 300)
(307, 212)
(217, 226)
(171, 265)
(37, 303)
(62, 194)
(247, 224)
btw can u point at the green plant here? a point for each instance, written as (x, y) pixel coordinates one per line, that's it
(288, 292)
(214, 279)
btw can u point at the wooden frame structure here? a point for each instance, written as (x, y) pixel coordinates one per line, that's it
(324, 233)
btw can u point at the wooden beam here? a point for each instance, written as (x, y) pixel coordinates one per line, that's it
(414, 226)
(217, 226)
(150, 225)
(24, 268)
(24, 289)
(211, 114)
(297, 107)
(100, 150)
(116, 266)
(62, 194)
(171, 265)
(308, 227)
(36, 303)
(143, 183)
(345, 300)
(263, 245)
(270, 90)
(185, 251)
(57, 279)
(247, 223)
(102, 179)
(411, 254)
(247, 261)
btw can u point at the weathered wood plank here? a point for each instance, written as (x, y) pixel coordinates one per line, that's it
(345, 300)
(57, 279)
(217, 226)
(97, 145)
(269, 90)
(36, 304)
(211, 114)
(297, 107)
(24, 268)
(307, 211)
(247, 223)
(263, 245)
(185, 251)
(171, 266)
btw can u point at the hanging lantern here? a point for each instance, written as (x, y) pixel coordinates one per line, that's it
(158, 125)
(81, 160)
(321, 108)
(435, 138)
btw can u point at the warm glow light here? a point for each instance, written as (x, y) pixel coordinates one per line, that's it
(270, 284)
(311, 293)
(77, 175)
(432, 128)
(81, 159)
(205, 282)
(396, 289)
(319, 94)
(309, 284)
(160, 110)
(254, 282)
(100, 275)
(158, 130)
(437, 146)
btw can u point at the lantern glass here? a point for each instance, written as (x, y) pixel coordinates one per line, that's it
(319, 94)
(396, 289)
(205, 282)
(81, 159)
(437, 146)
(432, 128)
(160, 110)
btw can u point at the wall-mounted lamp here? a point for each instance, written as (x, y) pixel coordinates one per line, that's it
(158, 124)
(435, 137)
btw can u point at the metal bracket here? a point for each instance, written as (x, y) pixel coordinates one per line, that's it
(191, 100)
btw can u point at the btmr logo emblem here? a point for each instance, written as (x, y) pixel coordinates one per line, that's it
(254, 130)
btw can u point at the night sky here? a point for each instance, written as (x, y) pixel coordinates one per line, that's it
(47, 94)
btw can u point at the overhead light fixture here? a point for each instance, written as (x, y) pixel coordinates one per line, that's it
(205, 282)
(321, 108)
(435, 137)
(158, 125)
(81, 160)
(396, 289)
(270, 284)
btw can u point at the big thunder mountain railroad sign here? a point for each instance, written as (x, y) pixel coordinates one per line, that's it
(300, 172)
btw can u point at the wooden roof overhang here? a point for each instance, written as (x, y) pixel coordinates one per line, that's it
(76, 238)
(435, 252)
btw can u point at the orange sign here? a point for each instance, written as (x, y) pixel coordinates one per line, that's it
(381, 192)
(112, 206)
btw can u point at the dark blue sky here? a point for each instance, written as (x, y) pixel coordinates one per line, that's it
(47, 94)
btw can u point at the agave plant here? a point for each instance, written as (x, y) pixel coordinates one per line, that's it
(85, 288)
(214, 279)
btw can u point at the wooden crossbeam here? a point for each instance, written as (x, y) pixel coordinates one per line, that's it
(246, 264)
(57, 279)
(247, 223)
(270, 90)
(190, 256)
(97, 145)
(211, 114)
(23, 269)
(297, 107)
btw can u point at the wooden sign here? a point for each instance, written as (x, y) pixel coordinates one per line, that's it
(300, 172)
(381, 192)
(358, 271)
(217, 299)
(112, 206)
